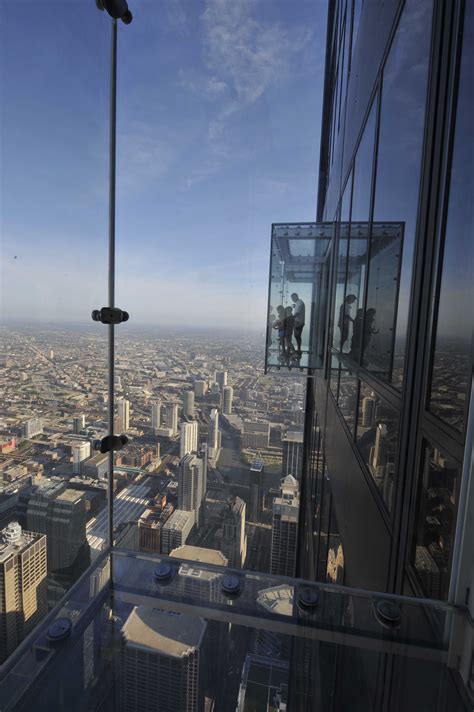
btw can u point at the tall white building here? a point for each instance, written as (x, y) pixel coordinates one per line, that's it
(234, 539)
(171, 417)
(368, 411)
(188, 404)
(176, 530)
(32, 427)
(227, 398)
(156, 415)
(221, 379)
(191, 485)
(80, 452)
(78, 423)
(285, 528)
(189, 438)
(213, 439)
(161, 665)
(124, 415)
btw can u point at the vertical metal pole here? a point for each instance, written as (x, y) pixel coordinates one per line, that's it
(111, 281)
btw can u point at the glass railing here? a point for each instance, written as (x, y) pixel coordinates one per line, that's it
(179, 634)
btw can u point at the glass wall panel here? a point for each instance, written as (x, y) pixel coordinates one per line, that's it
(378, 330)
(334, 376)
(341, 263)
(358, 242)
(54, 60)
(208, 158)
(399, 156)
(347, 400)
(377, 440)
(435, 521)
(452, 365)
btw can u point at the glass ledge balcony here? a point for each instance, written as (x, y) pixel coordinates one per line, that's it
(297, 295)
(170, 634)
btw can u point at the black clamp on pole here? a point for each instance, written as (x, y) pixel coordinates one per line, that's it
(110, 315)
(117, 9)
(110, 443)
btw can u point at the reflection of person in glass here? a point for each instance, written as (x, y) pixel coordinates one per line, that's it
(356, 334)
(345, 318)
(289, 327)
(279, 324)
(271, 321)
(299, 319)
(369, 329)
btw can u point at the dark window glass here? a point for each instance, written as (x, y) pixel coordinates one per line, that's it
(400, 148)
(342, 261)
(355, 29)
(334, 376)
(377, 328)
(347, 400)
(357, 259)
(435, 521)
(377, 436)
(451, 378)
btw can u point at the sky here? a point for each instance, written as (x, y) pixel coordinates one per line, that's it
(218, 127)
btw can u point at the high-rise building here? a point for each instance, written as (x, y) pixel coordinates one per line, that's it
(368, 411)
(213, 439)
(123, 415)
(285, 528)
(188, 404)
(32, 427)
(191, 490)
(227, 398)
(150, 526)
(189, 438)
(78, 424)
(200, 388)
(234, 539)
(161, 665)
(256, 490)
(176, 530)
(23, 594)
(171, 417)
(60, 513)
(255, 434)
(292, 460)
(221, 379)
(80, 452)
(156, 415)
(195, 582)
(264, 679)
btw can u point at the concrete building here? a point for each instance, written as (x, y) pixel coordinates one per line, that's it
(23, 593)
(194, 581)
(32, 427)
(292, 460)
(213, 438)
(191, 485)
(221, 379)
(150, 526)
(171, 417)
(189, 438)
(80, 452)
(156, 415)
(176, 530)
(200, 388)
(123, 415)
(160, 661)
(264, 679)
(234, 539)
(285, 528)
(255, 434)
(96, 466)
(227, 398)
(188, 404)
(256, 490)
(78, 424)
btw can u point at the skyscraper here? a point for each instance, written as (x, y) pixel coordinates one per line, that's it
(214, 435)
(32, 427)
(161, 666)
(285, 528)
(234, 539)
(156, 415)
(80, 452)
(191, 485)
(368, 411)
(23, 599)
(221, 379)
(227, 398)
(171, 417)
(200, 388)
(78, 423)
(188, 404)
(123, 415)
(256, 490)
(255, 434)
(189, 438)
(176, 530)
(292, 461)
(60, 513)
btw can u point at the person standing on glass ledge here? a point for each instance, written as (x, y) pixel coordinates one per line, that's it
(299, 316)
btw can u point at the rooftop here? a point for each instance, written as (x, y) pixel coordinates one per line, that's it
(168, 633)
